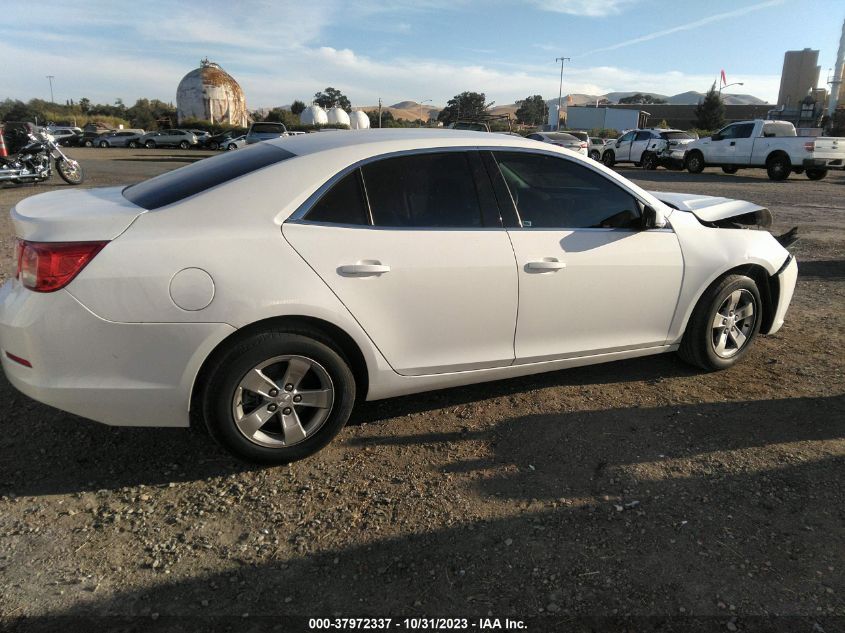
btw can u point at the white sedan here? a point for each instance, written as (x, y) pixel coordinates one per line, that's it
(269, 289)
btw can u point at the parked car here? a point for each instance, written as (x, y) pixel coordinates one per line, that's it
(182, 139)
(265, 131)
(271, 335)
(63, 134)
(772, 145)
(202, 136)
(561, 139)
(648, 147)
(118, 139)
(218, 141)
(236, 143)
(595, 148)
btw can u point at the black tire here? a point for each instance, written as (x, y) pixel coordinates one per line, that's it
(213, 145)
(184, 145)
(778, 167)
(70, 171)
(730, 170)
(236, 363)
(103, 144)
(594, 154)
(150, 144)
(133, 144)
(698, 347)
(231, 146)
(88, 143)
(649, 161)
(816, 174)
(695, 162)
(608, 158)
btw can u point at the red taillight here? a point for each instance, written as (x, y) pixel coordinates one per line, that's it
(18, 360)
(810, 146)
(50, 266)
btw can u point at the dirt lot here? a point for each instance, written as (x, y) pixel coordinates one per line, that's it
(640, 488)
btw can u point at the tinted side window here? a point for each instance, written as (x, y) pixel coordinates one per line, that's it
(643, 136)
(744, 130)
(344, 203)
(552, 192)
(627, 137)
(426, 190)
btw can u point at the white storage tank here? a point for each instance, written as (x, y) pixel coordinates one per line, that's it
(313, 115)
(338, 116)
(359, 120)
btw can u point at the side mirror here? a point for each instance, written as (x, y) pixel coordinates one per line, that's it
(716, 137)
(652, 219)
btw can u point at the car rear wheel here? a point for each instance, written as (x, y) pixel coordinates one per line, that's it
(133, 144)
(778, 167)
(695, 163)
(730, 170)
(594, 154)
(103, 144)
(231, 146)
(277, 397)
(608, 158)
(816, 174)
(150, 144)
(88, 143)
(213, 145)
(723, 324)
(184, 145)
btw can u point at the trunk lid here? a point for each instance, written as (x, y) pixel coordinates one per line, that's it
(829, 147)
(78, 215)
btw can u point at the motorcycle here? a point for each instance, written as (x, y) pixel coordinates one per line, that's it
(32, 163)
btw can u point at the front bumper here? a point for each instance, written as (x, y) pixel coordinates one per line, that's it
(122, 374)
(785, 279)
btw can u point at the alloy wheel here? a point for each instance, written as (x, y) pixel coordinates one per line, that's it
(283, 401)
(733, 323)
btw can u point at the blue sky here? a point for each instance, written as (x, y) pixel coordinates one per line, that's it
(398, 49)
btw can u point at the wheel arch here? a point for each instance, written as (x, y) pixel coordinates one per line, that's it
(310, 325)
(777, 153)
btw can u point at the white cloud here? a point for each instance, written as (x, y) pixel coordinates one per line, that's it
(586, 8)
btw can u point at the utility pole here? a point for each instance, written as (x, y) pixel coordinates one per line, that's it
(51, 78)
(379, 111)
(560, 89)
(421, 105)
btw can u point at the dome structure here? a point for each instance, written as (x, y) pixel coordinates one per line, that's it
(209, 93)
(359, 120)
(338, 116)
(314, 115)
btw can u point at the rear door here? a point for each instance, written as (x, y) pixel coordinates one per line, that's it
(414, 247)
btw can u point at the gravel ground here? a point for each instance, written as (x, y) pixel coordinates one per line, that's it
(641, 488)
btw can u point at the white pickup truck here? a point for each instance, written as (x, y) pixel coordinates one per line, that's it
(770, 144)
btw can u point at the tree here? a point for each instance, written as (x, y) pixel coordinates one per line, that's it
(278, 115)
(641, 98)
(467, 105)
(532, 110)
(297, 107)
(710, 112)
(84, 105)
(331, 97)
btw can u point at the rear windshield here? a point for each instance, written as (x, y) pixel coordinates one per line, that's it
(267, 128)
(675, 136)
(204, 174)
(561, 136)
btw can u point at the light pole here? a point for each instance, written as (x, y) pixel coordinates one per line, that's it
(560, 88)
(50, 78)
(736, 83)
(421, 105)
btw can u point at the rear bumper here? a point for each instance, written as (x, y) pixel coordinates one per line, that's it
(823, 163)
(785, 280)
(122, 374)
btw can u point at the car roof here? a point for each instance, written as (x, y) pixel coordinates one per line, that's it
(380, 141)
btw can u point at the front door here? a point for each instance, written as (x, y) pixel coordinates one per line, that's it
(622, 147)
(418, 261)
(640, 144)
(591, 280)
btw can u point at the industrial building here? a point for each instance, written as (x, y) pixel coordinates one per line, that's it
(799, 77)
(681, 117)
(209, 93)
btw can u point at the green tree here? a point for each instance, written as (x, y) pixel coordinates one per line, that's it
(84, 105)
(467, 105)
(710, 111)
(297, 107)
(331, 97)
(641, 98)
(279, 115)
(532, 110)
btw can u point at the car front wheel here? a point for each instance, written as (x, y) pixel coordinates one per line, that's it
(277, 397)
(608, 158)
(184, 145)
(723, 324)
(150, 144)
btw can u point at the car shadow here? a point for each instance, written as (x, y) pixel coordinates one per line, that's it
(833, 269)
(709, 176)
(610, 523)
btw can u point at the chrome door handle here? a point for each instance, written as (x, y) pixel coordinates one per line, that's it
(363, 269)
(545, 264)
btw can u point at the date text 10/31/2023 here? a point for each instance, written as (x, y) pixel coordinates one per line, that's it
(415, 624)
